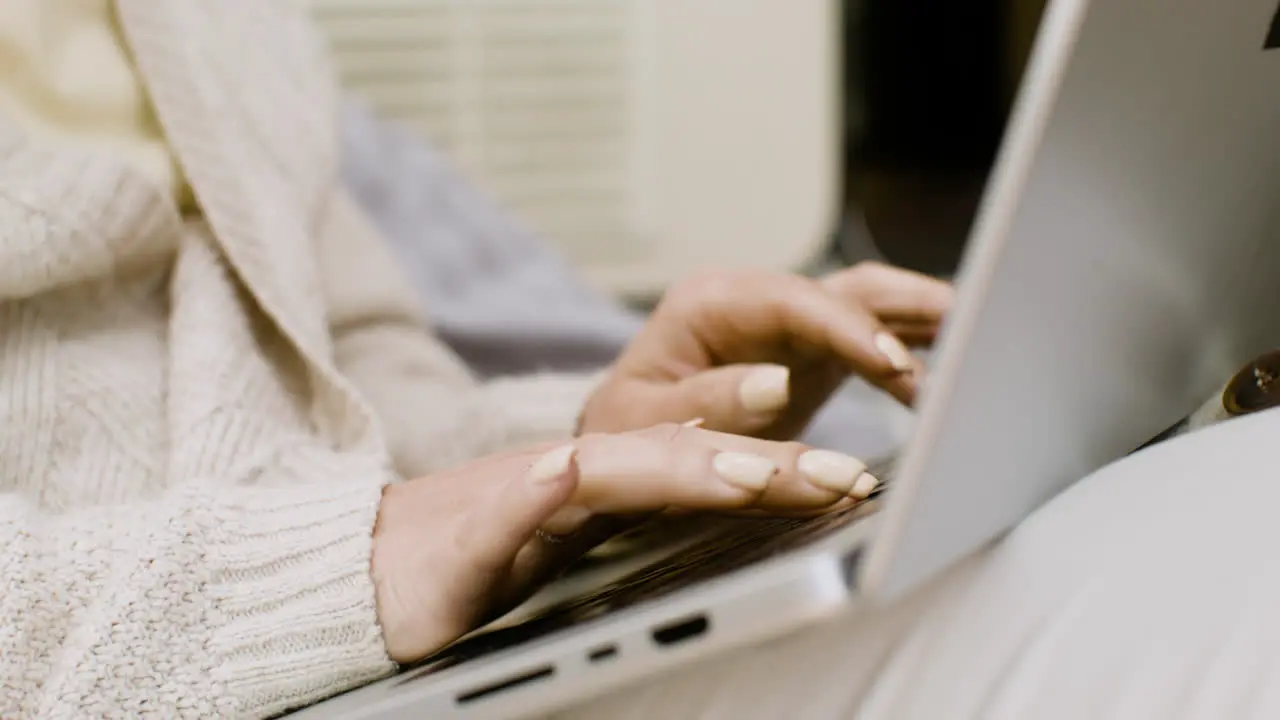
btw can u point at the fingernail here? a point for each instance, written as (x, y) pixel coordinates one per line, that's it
(864, 485)
(567, 520)
(766, 388)
(893, 349)
(744, 470)
(833, 471)
(553, 465)
(694, 423)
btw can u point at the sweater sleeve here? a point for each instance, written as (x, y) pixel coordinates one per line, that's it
(211, 600)
(434, 411)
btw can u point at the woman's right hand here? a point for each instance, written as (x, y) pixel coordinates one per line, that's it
(458, 548)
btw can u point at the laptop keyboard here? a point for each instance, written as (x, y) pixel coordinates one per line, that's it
(753, 541)
(749, 542)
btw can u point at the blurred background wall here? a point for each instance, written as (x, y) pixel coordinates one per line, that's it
(646, 138)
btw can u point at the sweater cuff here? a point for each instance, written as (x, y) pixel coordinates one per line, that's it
(291, 583)
(538, 408)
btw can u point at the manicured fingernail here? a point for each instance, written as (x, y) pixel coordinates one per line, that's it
(833, 471)
(553, 465)
(893, 349)
(864, 485)
(567, 520)
(766, 389)
(694, 423)
(744, 470)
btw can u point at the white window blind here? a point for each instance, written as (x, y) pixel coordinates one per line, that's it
(645, 138)
(531, 97)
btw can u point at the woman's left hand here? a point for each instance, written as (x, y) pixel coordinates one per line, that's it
(759, 353)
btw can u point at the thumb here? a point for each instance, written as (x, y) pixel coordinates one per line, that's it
(742, 399)
(498, 529)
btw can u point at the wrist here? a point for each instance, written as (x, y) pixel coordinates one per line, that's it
(383, 553)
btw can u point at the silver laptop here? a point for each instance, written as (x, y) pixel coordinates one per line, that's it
(1125, 261)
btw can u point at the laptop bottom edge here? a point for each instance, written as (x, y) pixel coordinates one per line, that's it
(574, 665)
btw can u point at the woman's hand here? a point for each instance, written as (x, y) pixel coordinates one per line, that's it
(460, 547)
(759, 353)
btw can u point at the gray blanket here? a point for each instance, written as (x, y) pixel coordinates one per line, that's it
(506, 301)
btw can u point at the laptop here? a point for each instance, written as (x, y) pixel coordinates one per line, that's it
(1124, 262)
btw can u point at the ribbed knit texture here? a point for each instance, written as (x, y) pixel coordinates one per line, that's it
(176, 538)
(197, 416)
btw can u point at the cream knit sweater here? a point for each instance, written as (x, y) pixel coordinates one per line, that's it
(197, 417)
(66, 76)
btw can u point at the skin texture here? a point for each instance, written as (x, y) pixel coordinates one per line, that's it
(712, 331)
(457, 548)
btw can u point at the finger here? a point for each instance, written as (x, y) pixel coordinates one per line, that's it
(697, 469)
(808, 477)
(811, 315)
(632, 473)
(893, 293)
(756, 317)
(497, 529)
(912, 333)
(549, 554)
(734, 398)
(906, 383)
(751, 399)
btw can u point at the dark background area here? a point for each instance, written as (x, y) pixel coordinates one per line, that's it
(930, 85)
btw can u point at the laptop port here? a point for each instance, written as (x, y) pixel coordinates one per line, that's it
(510, 683)
(602, 653)
(681, 631)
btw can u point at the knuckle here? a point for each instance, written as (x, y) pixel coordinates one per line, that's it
(690, 286)
(867, 271)
(664, 432)
(588, 439)
(791, 449)
(692, 465)
(708, 396)
(708, 287)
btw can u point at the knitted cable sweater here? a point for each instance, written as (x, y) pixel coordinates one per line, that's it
(198, 415)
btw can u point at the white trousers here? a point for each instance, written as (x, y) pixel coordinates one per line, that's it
(1148, 591)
